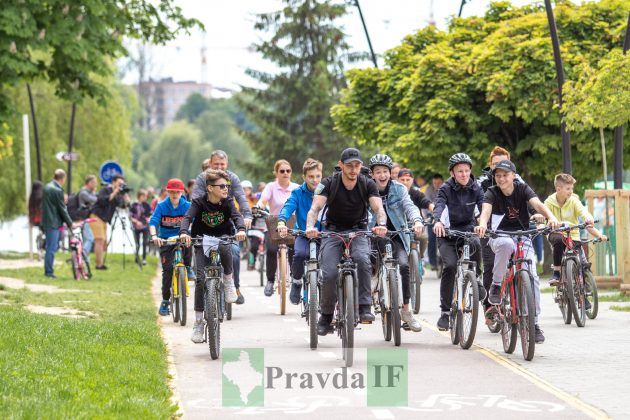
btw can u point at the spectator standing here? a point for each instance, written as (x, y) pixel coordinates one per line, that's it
(87, 199)
(140, 214)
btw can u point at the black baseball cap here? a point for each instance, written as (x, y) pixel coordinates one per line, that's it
(350, 155)
(505, 165)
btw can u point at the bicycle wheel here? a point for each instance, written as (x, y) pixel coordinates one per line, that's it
(575, 292)
(590, 294)
(313, 304)
(469, 311)
(261, 267)
(415, 280)
(76, 267)
(348, 321)
(385, 314)
(228, 311)
(174, 299)
(211, 313)
(392, 277)
(526, 311)
(508, 324)
(282, 279)
(455, 318)
(181, 288)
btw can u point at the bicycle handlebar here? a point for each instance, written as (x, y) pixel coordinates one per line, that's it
(529, 232)
(569, 228)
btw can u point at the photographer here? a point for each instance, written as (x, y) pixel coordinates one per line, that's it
(108, 199)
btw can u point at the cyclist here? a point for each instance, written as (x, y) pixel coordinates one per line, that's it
(405, 177)
(458, 201)
(348, 194)
(300, 203)
(567, 207)
(258, 228)
(399, 209)
(212, 214)
(507, 203)
(165, 222)
(219, 161)
(275, 195)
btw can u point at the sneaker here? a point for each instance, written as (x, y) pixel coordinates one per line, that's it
(443, 322)
(412, 323)
(241, 299)
(482, 291)
(365, 313)
(295, 295)
(540, 338)
(101, 267)
(230, 290)
(198, 330)
(50, 276)
(587, 305)
(494, 297)
(164, 308)
(555, 279)
(144, 262)
(191, 274)
(323, 325)
(269, 289)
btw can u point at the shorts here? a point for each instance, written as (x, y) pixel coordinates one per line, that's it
(99, 227)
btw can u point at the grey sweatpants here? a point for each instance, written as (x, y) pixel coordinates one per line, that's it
(503, 248)
(329, 256)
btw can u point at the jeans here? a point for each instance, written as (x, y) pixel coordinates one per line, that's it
(301, 253)
(449, 251)
(226, 255)
(88, 241)
(557, 244)
(503, 249)
(398, 252)
(52, 245)
(330, 255)
(167, 256)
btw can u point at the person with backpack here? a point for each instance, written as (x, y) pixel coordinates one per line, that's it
(347, 195)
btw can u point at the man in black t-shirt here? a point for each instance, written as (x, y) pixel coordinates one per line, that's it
(347, 194)
(506, 203)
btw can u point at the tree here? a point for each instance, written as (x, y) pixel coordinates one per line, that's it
(292, 113)
(483, 82)
(193, 107)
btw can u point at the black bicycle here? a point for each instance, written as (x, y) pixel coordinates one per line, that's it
(311, 288)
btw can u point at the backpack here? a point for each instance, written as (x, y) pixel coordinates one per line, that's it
(335, 181)
(75, 211)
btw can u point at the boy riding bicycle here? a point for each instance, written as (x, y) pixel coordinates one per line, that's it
(212, 214)
(167, 217)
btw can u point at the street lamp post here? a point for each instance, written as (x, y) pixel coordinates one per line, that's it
(367, 35)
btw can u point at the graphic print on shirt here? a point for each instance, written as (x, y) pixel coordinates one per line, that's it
(213, 218)
(171, 222)
(513, 213)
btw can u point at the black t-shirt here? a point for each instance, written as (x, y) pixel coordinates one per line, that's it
(347, 210)
(383, 194)
(212, 219)
(104, 208)
(513, 207)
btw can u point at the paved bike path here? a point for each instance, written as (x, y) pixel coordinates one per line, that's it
(444, 380)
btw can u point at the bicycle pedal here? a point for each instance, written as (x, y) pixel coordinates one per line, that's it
(405, 326)
(365, 322)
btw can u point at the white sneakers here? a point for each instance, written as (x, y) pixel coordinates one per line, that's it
(407, 316)
(230, 289)
(198, 328)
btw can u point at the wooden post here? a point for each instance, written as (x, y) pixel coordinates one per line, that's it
(622, 229)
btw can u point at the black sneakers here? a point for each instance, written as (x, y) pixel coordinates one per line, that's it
(442, 323)
(365, 313)
(540, 337)
(323, 325)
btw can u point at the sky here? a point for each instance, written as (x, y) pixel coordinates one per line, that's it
(230, 34)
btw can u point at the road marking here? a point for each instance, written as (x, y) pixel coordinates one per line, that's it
(589, 410)
(382, 413)
(327, 354)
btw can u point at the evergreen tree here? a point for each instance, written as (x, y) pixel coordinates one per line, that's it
(292, 113)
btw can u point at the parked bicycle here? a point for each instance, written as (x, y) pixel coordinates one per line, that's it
(516, 314)
(464, 310)
(78, 257)
(214, 305)
(179, 284)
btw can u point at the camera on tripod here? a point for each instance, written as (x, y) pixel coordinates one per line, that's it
(124, 188)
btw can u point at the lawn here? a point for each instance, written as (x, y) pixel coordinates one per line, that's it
(109, 365)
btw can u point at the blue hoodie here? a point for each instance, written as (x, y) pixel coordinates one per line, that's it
(299, 202)
(168, 220)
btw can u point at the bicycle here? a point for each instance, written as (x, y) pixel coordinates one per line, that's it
(416, 270)
(575, 279)
(78, 258)
(387, 293)
(464, 310)
(311, 289)
(214, 310)
(516, 314)
(260, 257)
(179, 284)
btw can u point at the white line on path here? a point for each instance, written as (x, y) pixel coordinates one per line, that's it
(382, 413)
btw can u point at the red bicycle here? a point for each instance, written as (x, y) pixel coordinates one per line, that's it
(80, 265)
(517, 311)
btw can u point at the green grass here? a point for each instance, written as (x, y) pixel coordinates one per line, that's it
(620, 308)
(546, 289)
(110, 366)
(10, 255)
(617, 297)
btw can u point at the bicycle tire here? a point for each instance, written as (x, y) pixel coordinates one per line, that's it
(313, 304)
(590, 293)
(385, 315)
(509, 328)
(415, 281)
(76, 269)
(470, 311)
(348, 322)
(261, 267)
(181, 278)
(526, 314)
(392, 277)
(454, 318)
(576, 297)
(211, 313)
(228, 311)
(282, 279)
(562, 295)
(174, 300)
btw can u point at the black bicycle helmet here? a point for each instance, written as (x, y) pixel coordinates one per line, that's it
(381, 160)
(458, 158)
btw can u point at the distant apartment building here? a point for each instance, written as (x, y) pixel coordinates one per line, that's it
(162, 98)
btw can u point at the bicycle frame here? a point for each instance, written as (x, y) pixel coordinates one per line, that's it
(178, 261)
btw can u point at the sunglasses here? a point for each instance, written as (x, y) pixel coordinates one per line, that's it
(222, 186)
(285, 171)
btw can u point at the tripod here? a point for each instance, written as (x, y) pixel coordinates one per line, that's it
(123, 223)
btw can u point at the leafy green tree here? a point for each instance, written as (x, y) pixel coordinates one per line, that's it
(292, 113)
(193, 107)
(485, 81)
